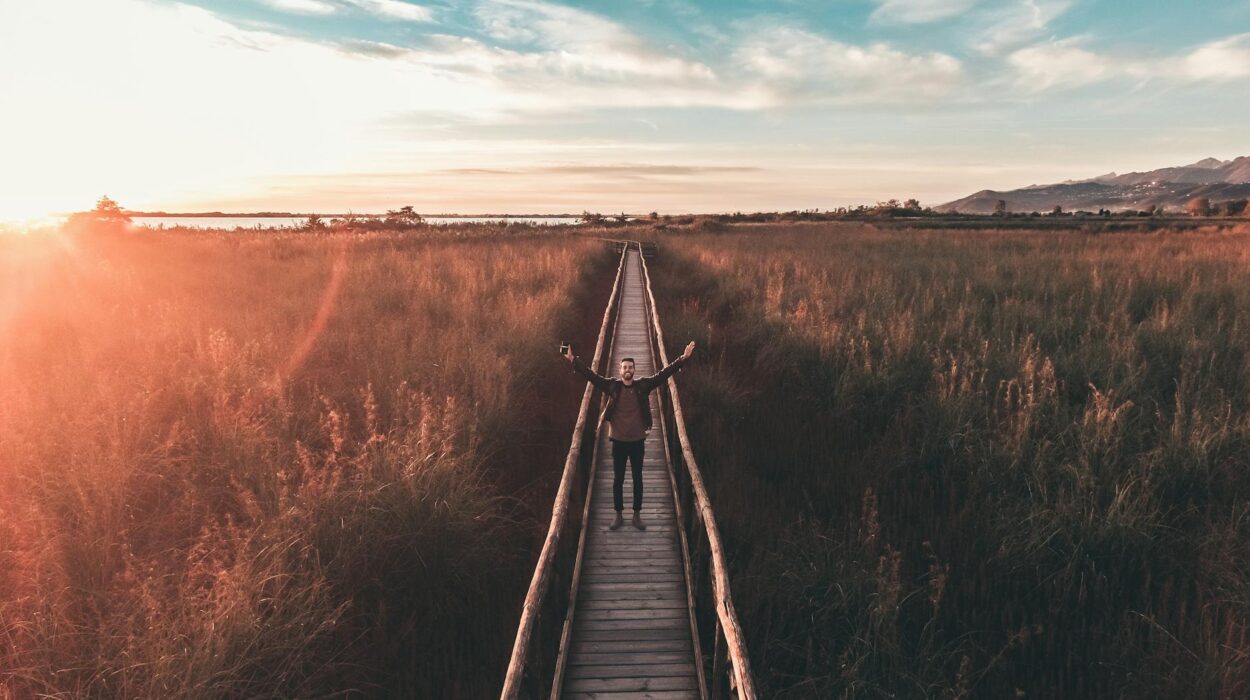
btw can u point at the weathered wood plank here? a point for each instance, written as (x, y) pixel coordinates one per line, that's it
(630, 635)
(631, 658)
(617, 685)
(609, 585)
(649, 547)
(632, 646)
(646, 563)
(636, 596)
(649, 623)
(629, 615)
(671, 603)
(632, 671)
(637, 695)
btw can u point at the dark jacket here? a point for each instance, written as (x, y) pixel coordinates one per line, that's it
(613, 386)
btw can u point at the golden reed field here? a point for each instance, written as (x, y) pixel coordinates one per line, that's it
(976, 464)
(278, 465)
(946, 464)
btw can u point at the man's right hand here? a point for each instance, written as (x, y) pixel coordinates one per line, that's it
(569, 356)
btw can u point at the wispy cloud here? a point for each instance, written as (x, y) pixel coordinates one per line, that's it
(583, 42)
(543, 57)
(919, 11)
(1014, 24)
(395, 10)
(802, 66)
(1225, 59)
(304, 7)
(1071, 63)
(1058, 64)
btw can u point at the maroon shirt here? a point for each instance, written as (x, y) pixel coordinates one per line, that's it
(626, 422)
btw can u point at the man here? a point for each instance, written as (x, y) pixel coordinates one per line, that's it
(628, 413)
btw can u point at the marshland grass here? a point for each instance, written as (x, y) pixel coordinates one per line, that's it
(278, 465)
(975, 464)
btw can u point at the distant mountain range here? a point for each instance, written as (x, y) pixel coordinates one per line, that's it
(1170, 188)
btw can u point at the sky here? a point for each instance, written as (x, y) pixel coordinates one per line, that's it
(531, 106)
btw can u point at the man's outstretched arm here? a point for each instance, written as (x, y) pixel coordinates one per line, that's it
(590, 375)
(673, 366)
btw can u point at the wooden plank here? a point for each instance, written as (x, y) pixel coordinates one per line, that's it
(632, 671)
(630, 646)
(630, 615)
(641, 563)
(632, 657)
(637, 695)
(585, 636)
(636, 546)
(656, 527)
(617, 685)
(628, 535)
(666, 568)
(674, 592)
(607, 598)
(608, 585)
(673, 602)
(647, 623)
(614, 544)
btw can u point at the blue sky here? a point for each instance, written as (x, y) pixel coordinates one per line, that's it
(536, 106)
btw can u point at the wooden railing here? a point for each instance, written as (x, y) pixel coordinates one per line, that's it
(535, 650)
(707, 578)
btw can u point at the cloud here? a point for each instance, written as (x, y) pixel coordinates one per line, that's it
(1014, 24)
(801, 66)
(304, 7)
(376, 49)
(539, 56)
(919, 11)
(1226, 59)
(394, 9)
(581, 42)
(1068, 63)
(1059, 64)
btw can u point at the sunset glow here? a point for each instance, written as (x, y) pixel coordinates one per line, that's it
(534, 106)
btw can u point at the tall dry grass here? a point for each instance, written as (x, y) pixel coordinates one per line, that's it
(260, 465)
(991, 464)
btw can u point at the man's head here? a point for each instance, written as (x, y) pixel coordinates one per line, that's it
(627, 369)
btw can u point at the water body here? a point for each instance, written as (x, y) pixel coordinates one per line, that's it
(252, 222)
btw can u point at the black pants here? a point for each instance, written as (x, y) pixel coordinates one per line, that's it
(620, 452)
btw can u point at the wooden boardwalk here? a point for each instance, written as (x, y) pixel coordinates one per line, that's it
(631, 633)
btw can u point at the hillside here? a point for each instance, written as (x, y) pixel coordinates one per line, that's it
(1169, 188)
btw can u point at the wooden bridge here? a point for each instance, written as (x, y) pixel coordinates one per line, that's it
(630, 614)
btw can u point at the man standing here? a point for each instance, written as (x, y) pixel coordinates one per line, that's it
(628, 413)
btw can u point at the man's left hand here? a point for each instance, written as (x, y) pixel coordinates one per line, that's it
(689, 351)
